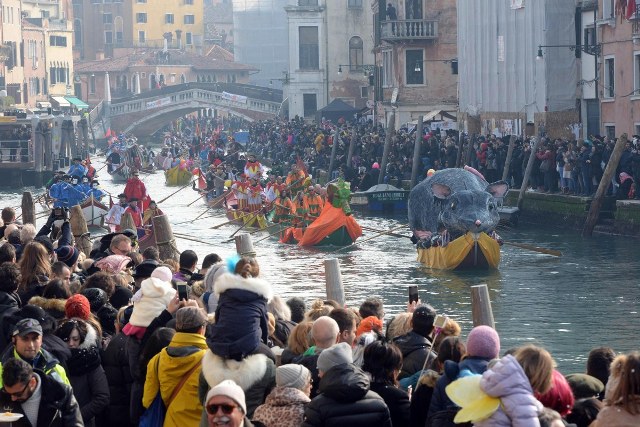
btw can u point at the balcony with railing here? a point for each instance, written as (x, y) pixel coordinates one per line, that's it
(635, 23)
(409, 29)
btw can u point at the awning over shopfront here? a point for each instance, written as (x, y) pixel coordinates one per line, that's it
(60, 101)
(43, 104)
(79, 104)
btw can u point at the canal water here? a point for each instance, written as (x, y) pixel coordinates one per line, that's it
(586, 298)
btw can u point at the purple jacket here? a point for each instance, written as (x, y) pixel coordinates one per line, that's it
(518, 407)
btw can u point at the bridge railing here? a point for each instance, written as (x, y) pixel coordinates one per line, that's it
(205, 96)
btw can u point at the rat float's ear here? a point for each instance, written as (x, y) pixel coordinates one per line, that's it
(498, 189)
(441, 191)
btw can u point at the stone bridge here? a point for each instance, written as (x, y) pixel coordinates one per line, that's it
(145, 113)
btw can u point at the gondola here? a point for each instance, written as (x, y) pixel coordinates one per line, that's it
(468, 251)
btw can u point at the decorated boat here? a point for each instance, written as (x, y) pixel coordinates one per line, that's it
(469, 251)
(94, 212)
(334, 226)
(381, 198)
(178, 175)
(123, 157)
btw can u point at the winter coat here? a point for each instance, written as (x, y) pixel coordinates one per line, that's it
(167, 369)
(241, 316)
(615, 416)
(281, 335)
(116, 368)
(45, 362)
(256, 375)
(9, 300)
(452, 370)
(346, 400)
(421, 398)
(284, 407)
(414, 348)
(53, 306)
(310, 361)
(518, 407)
(88, 379)
(397, 401)
(58, 406)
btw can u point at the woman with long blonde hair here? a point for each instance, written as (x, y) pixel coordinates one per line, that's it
(622, 405)
(35, 269)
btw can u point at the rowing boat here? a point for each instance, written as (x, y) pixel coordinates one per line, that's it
(94, 211)
(468, 251)
(177, 176)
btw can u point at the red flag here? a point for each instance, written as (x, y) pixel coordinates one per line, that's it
(631, 8)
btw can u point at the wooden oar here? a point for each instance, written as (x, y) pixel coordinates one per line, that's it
(534, 248)
(230, 221)
(190, 239)
(272, 234)
(370, 238)
(180, 189)
(381, 231)
(255, 217)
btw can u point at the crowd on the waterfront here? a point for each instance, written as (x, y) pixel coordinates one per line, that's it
(126, 338)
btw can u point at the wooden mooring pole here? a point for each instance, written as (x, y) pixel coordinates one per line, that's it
(244, 246)
(165, 241)
(28, 209)
(609, 171)
(481, 306)
(527, 172)
(333, 280)
(416, 153)
(79, 229)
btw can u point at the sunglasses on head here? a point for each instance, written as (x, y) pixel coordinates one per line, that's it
(226, 409)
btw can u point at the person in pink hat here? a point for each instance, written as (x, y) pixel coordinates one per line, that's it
(483, 345)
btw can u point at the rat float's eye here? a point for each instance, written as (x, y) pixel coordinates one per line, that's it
(492, 206)
(453, 206)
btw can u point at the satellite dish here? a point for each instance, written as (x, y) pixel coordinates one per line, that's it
(76, 78)
(370, 103)
(3, 92)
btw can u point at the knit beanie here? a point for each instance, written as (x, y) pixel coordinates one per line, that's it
(231, 390)
(97, 298)
(152, 298)
(483, 341)
(335, 355)
(121, 297)
(292, 375)
(369, 324)
(298, 309)
(68, 255)
(163, 273)
(77, 306)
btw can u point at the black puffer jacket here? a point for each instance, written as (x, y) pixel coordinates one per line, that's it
(58, 407)
(116, 367)
(345, 400)
(414, 348)
(88, 379)
(397, 401)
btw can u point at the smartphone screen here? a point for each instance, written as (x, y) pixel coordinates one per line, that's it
(413, 294)
(182, 290)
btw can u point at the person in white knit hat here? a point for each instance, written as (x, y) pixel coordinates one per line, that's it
(152, 298)
(284, 406)
(225, 406)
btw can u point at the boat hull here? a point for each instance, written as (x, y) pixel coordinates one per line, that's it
(465, 252)
(94, 212)
(389, 200)
(250, 220)
(339, 237)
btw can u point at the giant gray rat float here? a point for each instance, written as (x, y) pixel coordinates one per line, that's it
(456, 201)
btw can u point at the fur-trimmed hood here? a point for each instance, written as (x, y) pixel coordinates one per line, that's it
(47, 304)
(246, 373)
(91, 340)
(228, 281)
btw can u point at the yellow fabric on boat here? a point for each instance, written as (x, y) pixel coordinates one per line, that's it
(449, 257)
(177, 176)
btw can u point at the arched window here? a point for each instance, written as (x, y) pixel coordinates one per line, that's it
(355, 53)
(153, 83)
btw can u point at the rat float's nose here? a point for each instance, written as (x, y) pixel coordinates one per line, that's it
(478, 223)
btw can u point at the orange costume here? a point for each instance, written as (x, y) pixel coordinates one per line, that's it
(315, 204)
(284, 209)
(240, 189)
(253, 170)
(295, 181)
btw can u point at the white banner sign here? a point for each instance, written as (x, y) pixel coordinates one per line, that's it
(444, 125)
(233, 97)
(158, 103)
(517, 4)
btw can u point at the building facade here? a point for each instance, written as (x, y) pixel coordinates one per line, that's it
(516, 66)
(330, 55)
(619, 86)
(13, 67)
(143, 70)
(102, 27)
(416, 51)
